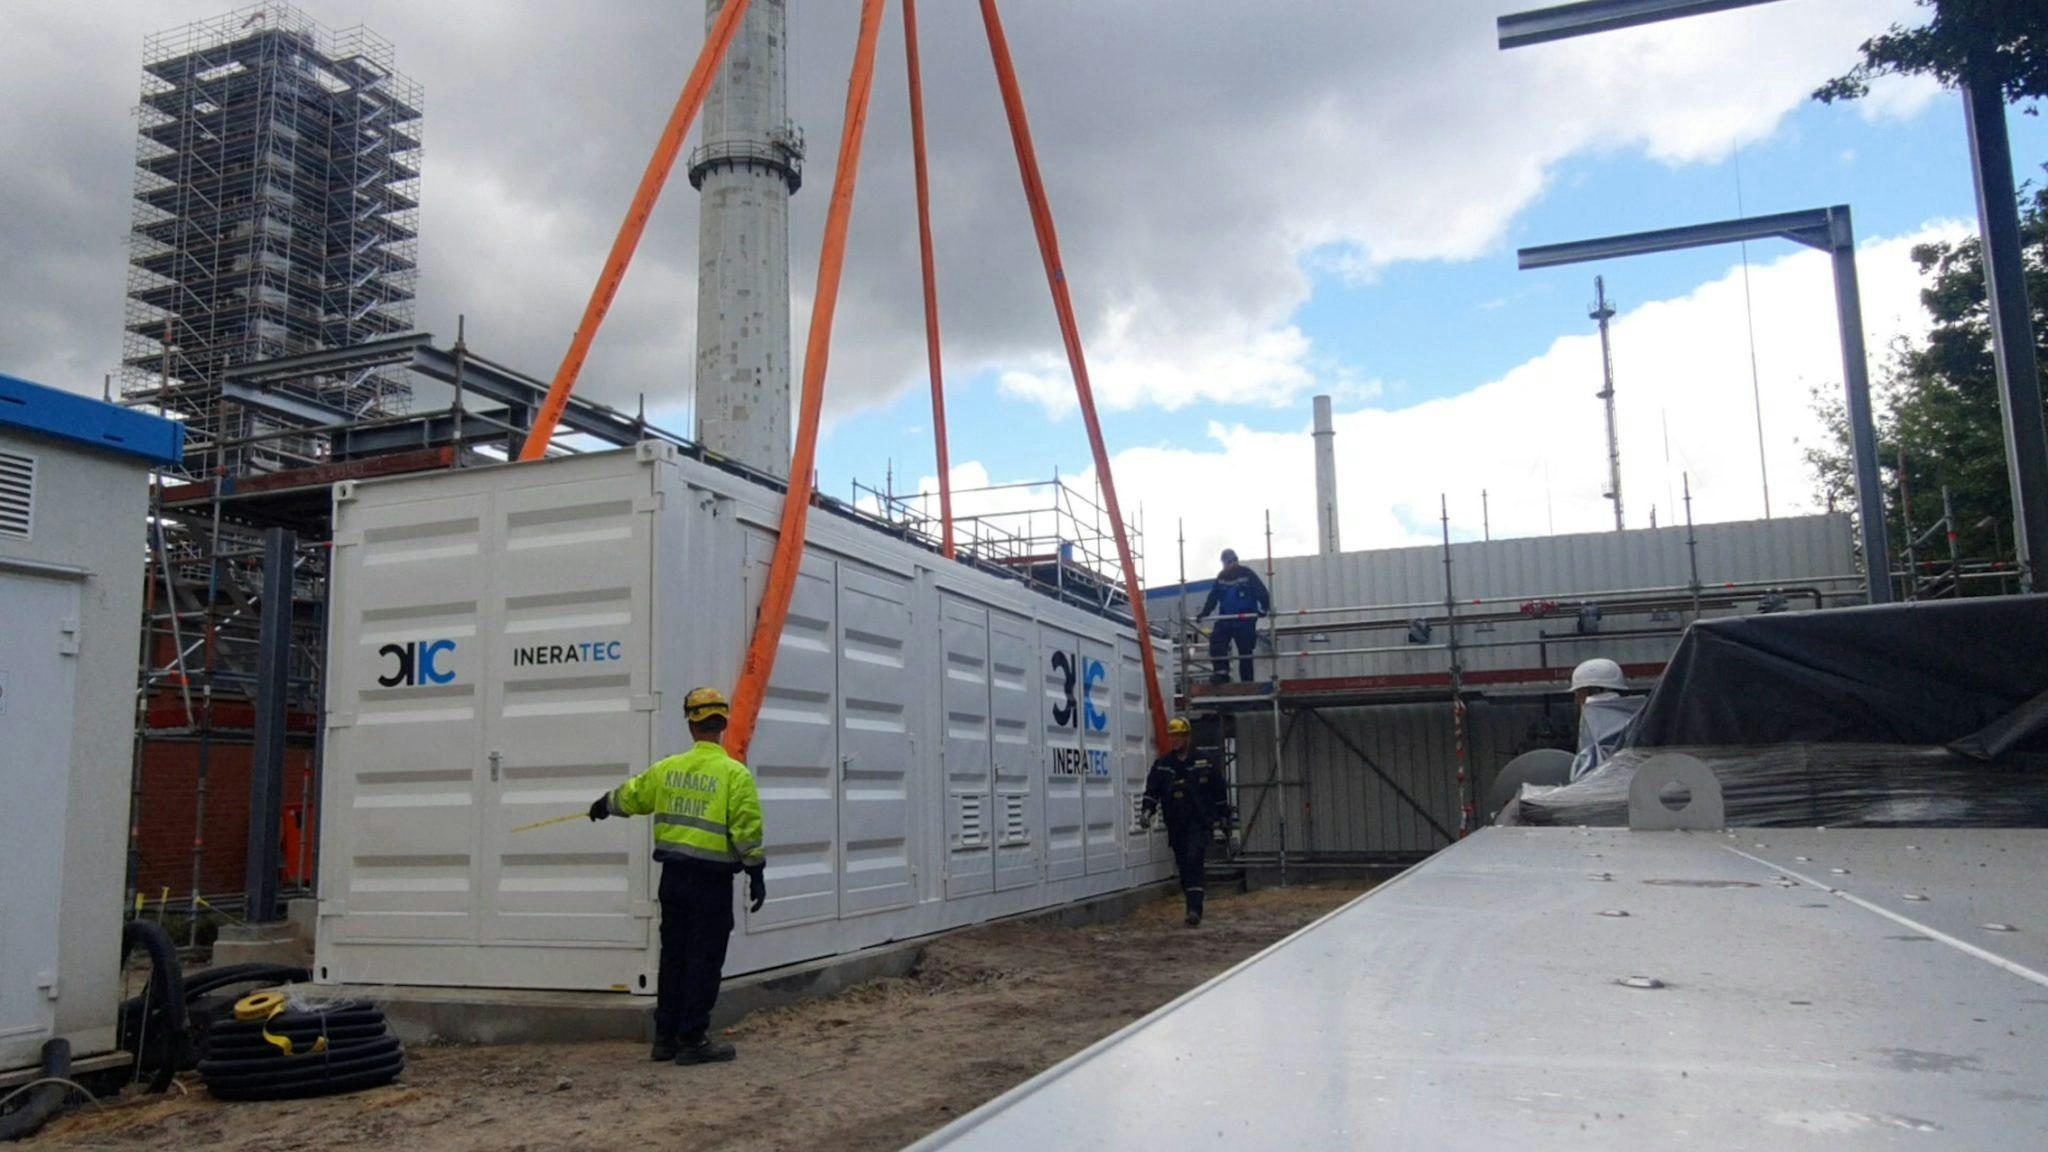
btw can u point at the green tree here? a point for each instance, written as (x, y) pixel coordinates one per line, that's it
(1938, 414)
(1938, 409)
(2011, 35)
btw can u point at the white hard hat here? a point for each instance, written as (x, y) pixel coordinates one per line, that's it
(1599, 672)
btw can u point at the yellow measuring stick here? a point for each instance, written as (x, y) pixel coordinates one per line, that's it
(551, 820)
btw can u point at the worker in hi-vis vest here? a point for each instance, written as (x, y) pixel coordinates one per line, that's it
(707, 829)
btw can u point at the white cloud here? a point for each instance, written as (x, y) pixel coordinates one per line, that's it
(1193, 162)
(1899, 97)
(1535, 439)
(1239, 365)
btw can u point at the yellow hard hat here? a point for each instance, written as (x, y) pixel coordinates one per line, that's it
(703, 703)
(1178, 726)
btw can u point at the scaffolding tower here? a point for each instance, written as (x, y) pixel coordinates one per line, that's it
(276, 205)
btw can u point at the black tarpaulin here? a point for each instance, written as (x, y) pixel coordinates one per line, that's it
(1967, 674)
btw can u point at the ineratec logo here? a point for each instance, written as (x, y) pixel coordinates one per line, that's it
(585, 652)
(416, 660)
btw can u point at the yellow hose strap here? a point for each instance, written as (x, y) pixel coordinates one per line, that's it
(266, 1006)
(259, 1006)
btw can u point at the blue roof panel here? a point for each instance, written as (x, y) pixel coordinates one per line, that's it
(68, 416)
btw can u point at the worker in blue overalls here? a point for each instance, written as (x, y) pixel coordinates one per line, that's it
(1239, 599)
(1188, 790)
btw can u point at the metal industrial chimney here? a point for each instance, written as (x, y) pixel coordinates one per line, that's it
(1326, 479)
(748, 166)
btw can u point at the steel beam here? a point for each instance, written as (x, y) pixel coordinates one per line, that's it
(1810, 228)
(1566, 21)
(266, 765)
(1877, 562)
(2019, 377)
(296, 410)
(1829, 230)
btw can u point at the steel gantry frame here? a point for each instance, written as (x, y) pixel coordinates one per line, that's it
(1829, 230)
(2019, 375)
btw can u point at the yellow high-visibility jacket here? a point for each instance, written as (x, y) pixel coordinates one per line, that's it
(704, 806)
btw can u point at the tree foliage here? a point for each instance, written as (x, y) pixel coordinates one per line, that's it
(2008, 36)
(1938, 406)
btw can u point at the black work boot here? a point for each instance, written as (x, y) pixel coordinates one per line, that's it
(1194, 907)
(665, 1048)
(703, 1050)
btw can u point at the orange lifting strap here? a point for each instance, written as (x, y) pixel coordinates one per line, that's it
(774, 610)
(1070, 331)
(931, 279)
(688, 103)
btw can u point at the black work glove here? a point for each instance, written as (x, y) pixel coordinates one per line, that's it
(757, 888)
(601, 807)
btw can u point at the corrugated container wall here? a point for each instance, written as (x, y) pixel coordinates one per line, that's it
(937, 745)
(1338, 805)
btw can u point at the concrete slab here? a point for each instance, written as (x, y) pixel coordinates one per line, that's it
(278, 943)
(286, 941)
(517, 1016)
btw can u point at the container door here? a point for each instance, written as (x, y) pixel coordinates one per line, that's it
(38, 670)
(569, 708)
(1013, 709)
(795, 753)
(405, 725)
(1103, 804)
(877, 696)
(968, 750)
(1134, 756)
(1060, 670)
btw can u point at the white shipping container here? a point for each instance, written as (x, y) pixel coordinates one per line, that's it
(938, 745)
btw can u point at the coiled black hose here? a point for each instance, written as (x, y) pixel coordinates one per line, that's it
(161, 1023)
(209, 999)
(44, 1100)
(340, 1047)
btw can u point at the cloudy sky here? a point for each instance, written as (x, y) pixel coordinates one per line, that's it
(1256, 202)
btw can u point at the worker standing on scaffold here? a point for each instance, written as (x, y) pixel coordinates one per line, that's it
(1189, 790)
(1239, 597)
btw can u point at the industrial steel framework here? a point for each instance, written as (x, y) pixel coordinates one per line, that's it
(276, 198)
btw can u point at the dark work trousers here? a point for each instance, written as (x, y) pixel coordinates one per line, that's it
(1190, 843)
(696, 920)
(1246, 633)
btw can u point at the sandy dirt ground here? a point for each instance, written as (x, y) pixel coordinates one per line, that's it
(872, 1068)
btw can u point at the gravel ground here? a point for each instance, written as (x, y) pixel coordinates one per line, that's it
(872, 1068)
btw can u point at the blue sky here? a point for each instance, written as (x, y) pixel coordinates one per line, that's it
(1435, 328)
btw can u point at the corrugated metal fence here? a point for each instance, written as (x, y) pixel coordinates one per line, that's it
(1336, 805)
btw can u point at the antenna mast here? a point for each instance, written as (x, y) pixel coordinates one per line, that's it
(1602, 311)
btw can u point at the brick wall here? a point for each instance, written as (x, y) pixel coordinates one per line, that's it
(163, 816)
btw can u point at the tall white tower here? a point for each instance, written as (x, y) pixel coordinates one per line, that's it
(749, 164)
(1326, 479)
